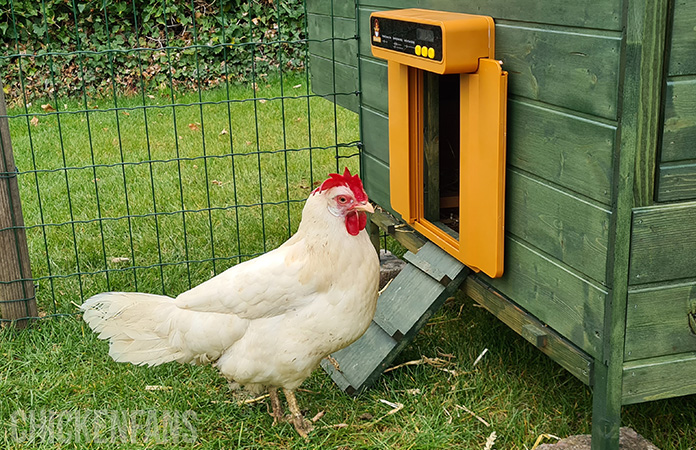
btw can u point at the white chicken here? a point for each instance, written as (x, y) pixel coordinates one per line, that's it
(268, 322)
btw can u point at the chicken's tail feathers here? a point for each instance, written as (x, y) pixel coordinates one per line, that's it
(137, 326)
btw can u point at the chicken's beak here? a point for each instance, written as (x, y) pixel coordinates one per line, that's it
(364, 206)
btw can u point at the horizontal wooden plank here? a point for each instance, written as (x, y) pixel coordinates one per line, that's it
(338, 8)
(330, 78)
(679, 132)
(364, 27)
(576, 71)
(604, 14)
(338, 44)
(375, 131)
(656, 378)
(552, 344)
(657, 321)
(363, 361)
(663, 246)
(558, 297)
(683, 45)
(414, 295)
(375, 176)
(403, 303)
(567, 150)
(676, 182)
(568, 69)
(440, 261)
(567, 228)
(375, 89)
(427, 268)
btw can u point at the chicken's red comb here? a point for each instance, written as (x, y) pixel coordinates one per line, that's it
(353, 182)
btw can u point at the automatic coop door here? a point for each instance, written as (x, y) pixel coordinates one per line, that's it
(447, 120)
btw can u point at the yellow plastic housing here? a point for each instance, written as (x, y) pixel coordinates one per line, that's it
(465, 39)
(483, 112)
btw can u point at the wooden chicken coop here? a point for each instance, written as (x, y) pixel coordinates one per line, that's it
(599, 264)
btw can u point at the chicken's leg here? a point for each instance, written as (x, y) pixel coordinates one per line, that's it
(302, 425)
(277, 409)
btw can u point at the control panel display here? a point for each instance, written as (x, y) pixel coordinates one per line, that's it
(411, 38)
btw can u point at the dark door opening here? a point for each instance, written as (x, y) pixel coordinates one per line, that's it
(441, 138)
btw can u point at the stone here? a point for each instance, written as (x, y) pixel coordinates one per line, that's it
(628, 440)
(389, 267)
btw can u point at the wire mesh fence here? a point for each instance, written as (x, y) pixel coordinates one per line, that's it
(158, 143)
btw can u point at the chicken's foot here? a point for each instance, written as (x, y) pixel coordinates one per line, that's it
(277, 408)
(302, 425)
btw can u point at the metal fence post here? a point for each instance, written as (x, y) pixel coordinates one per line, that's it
(17, 300)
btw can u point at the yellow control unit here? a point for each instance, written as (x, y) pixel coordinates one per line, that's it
(447, 122)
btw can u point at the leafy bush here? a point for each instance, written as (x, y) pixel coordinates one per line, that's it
(95, 48)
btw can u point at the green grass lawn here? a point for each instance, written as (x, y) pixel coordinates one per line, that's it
(241, 197)
(111, 179)
(60, 365)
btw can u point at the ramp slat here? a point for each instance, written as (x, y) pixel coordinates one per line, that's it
(402, 310)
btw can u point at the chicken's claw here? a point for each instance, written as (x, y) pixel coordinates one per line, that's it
(302, 425)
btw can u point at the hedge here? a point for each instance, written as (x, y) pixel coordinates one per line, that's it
(96, 48)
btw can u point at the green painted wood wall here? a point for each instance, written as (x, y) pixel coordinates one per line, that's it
(333, 49)
(660, 339)
(660, 345)
(677, 167)
(564, 78)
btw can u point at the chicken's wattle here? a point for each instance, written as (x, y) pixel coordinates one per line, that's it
(356, 222)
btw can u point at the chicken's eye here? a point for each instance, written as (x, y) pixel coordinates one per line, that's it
(342, 200)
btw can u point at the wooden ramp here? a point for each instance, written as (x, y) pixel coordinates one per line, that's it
(430, 277)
